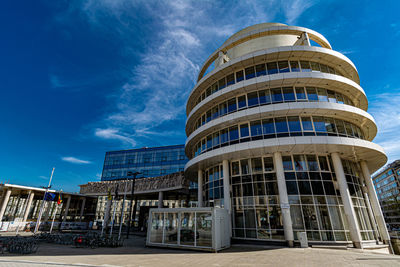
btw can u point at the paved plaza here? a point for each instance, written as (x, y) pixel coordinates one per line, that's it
(134, 253)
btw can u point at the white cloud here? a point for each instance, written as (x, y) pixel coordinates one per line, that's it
(75, 160)
(114, 134)
(43, 177)
(384, 108)
(182, 35)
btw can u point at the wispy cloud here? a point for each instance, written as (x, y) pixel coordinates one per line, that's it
(384, 108)
(181, 36)
(43, 177)
(114, 134)
(75, 160)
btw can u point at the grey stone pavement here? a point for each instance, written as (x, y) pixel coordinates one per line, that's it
(134, 253)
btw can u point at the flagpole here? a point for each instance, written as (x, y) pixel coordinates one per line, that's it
(54, 215)
(122, 211)
(42, 206)
(112, 222)
(115, 207)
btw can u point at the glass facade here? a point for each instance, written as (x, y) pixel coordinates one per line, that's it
(150, 162)
(265, 69)
(275, 128)
(315, 203)
(271, 96)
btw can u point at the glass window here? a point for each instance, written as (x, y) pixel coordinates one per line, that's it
(230, 79)
(304, 187)
(223, 109)
(331, 96)
(294, 65)
(281, 125)
(306, 123)
(287, 163)
(312, 163)
(255, 127)
(222, 83)
(224, 136)
(214, 112)
(324, 68)
(235, 168)
(322, 96)
(244, 164)
(252, 99)
(319, 124)
(233, 133)
(242, 101)
(294, 124)
(276, 95)
(291, 187)
(209, 141)
(208, 116)
(268, 164)
(208, 91)
(339, 98)
(315, 66)
(260, 70)
(244, 130)
(268, 126)
(300, 93)
(187, 228)
(265, 97)
(340, 127)
(232, 105)
(312, 94)
(256, 165)
(204, 228)
(299, 163)
(250, 73)
(283, 66)
(330, 125)
(239, 76)
(288, 94)
(349, 130)
(215, 139)
(272, 68)
(214, 88)
(323, 163)
(305, 66)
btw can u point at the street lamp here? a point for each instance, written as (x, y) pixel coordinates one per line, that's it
(134, 174)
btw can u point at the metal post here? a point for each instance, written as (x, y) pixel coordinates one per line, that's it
(122, 211)
(52, 221)
(41, 208)
(130, 210)
(113, 218)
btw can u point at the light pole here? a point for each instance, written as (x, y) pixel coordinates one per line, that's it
(134, 174)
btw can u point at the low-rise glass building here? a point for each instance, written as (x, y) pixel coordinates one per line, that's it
(149, 161)
(387, 186)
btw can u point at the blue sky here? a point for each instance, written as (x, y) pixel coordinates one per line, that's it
(79, 78)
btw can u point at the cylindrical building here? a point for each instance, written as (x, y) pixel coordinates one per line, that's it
(278, 133)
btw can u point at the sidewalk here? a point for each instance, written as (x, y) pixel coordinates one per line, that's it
(134, 253)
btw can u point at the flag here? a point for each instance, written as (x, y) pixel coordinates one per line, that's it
(49, 196)
(59, 201)
(109, 194)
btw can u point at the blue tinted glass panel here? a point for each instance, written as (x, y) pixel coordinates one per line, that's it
(255, 127)
(272, 68)
(281, 125)
(233, 133)
(300, 93)
(294, 124)
(252, 99)
(319, 124)
(250, 73)
(268, 126)
(312, 94)
(230, 79)
(239, 76)
(265, 97)
(261, 70)
(241, 101)
(283, 66)
(232, 105)
(294, 66)
(244, 130)
(276, 95)
(306, 123)
(288, 94)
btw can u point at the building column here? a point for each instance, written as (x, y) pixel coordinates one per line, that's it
(199, 188)
(283, 199)
(370, 213)
(347, 202)
(28, 205)
(48, 211)
(66, 209)
(376, 208)
(160, 199)
(4, 204)
(82, 209)
(227, 195)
